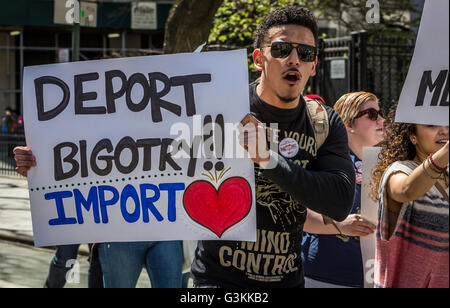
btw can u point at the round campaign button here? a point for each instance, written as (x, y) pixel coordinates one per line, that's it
(358, 166)
(358, 178)
(289, 148)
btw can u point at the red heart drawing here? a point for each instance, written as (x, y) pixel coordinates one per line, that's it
(218, 210)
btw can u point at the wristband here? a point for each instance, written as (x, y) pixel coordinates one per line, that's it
(435, 165)
(427, 174)
(432, 167)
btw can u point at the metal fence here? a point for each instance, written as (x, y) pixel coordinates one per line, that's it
(7, 162)
(363, 62)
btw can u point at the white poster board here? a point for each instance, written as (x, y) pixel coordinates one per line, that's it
(424, 98)
(369, 210)
(105, 136)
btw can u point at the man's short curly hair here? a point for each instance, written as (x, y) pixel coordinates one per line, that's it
(287, 15)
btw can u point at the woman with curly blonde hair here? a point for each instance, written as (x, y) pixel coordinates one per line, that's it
(411, 184)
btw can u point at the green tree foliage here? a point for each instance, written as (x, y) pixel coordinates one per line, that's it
(353, 15)
(236, 20)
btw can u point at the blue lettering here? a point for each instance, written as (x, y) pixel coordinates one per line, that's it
(62, 219)
(104, 203)
(92, 200)
(148, 203)
(99, 198)
(128, 192)
(172, 189)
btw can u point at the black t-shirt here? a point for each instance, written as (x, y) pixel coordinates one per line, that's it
(303, 177)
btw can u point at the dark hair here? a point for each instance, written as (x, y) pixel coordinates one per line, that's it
(396, 146)
(287, 15)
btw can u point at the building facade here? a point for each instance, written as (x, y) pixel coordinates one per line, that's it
(36, 32)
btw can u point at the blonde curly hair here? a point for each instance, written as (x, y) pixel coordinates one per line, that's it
(349, 105)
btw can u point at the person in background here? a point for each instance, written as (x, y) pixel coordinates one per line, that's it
(410, 182)
(61, 264)
(332, 252)
(122, 263)
(10, 126)
(8, 121)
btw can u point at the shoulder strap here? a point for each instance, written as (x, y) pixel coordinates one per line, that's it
(442, 191)
(319, 120)
(318, 117)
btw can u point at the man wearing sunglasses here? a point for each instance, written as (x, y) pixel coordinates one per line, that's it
(291, 177)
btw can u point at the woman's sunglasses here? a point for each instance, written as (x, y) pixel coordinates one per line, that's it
(372, 112)
(306, 53)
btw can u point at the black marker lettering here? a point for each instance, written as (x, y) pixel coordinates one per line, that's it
(39, 88)
(58, 162)
(126, 143)
(157, 102)
(166, 157)
(444, 99)
(104, 144)
(138, 79)
(147, 145)
(81, 97)
(111, 96)
(219, 136)
(188, 83)
(433, 87)
(208, 133)
(83, 159)
(194, 151)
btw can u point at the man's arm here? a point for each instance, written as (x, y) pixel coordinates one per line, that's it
(353, 225)
(314, 224)
(328, 189)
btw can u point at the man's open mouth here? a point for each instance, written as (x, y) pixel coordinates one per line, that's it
(292, 77)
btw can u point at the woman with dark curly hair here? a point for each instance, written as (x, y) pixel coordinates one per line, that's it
(411, 184)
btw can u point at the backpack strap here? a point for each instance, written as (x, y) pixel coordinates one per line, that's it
(318, 117)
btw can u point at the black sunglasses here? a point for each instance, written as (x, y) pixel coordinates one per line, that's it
(372, 112)
(306, 53)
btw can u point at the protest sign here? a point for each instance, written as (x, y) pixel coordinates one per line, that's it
(424, 98)
(139, 149)
(369, 210)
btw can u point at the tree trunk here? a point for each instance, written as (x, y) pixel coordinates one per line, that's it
(189, 24)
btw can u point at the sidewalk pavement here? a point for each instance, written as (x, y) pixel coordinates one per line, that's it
(15, 215)
(21, 264)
